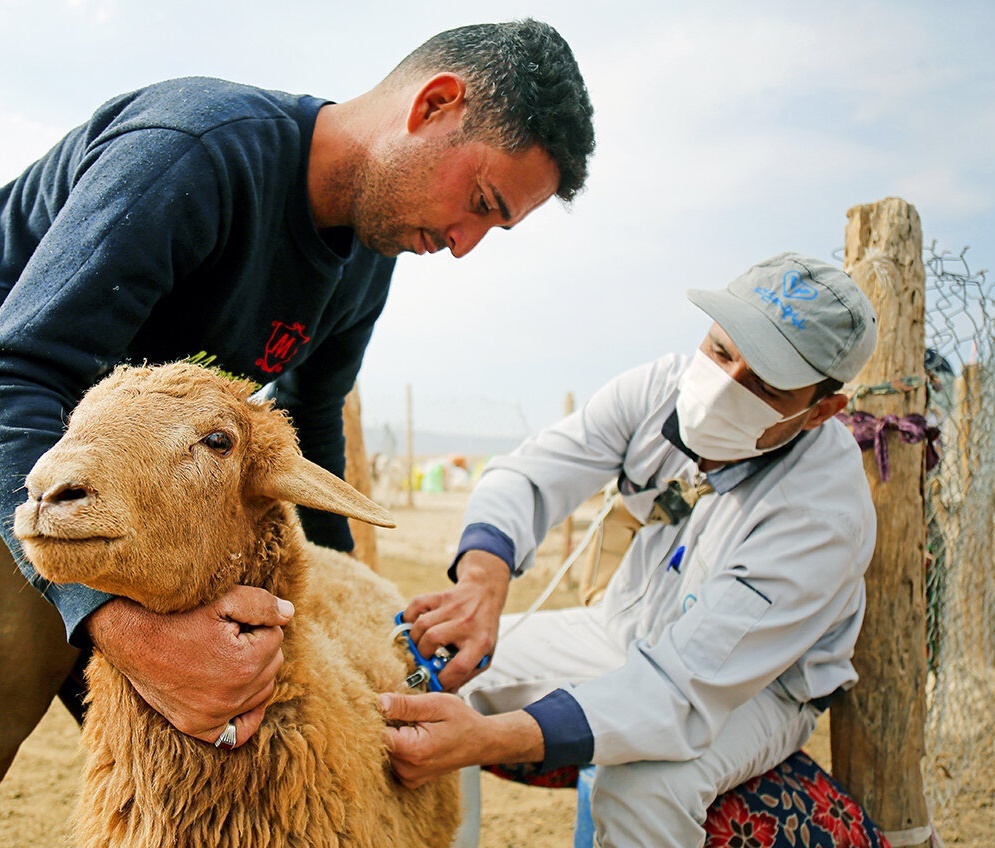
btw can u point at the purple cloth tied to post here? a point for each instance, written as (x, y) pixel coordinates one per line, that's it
(870, 431)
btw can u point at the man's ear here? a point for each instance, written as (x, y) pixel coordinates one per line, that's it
(438, 102)
(825, 409)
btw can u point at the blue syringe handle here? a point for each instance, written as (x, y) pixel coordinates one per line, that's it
(430, 666)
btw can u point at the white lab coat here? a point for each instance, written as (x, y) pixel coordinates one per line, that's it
(770, 591)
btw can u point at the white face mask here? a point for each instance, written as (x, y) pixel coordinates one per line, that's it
(720, 419)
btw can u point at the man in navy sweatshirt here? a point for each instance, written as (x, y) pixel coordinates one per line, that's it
(256, 231)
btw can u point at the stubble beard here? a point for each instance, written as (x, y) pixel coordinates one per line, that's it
(379, 217)
(388, 192)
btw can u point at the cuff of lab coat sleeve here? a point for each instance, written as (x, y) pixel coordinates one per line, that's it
(565, 730)
(484, 537)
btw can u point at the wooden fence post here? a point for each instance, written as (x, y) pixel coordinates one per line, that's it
(878, 728)
(357, 475)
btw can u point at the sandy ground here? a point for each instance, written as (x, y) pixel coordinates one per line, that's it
(39, 792)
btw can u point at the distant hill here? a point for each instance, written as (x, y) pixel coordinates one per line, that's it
(438, 444)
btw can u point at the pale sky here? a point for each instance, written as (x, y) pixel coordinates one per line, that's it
(726, 132)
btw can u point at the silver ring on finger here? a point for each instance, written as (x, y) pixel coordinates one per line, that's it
(226, 741)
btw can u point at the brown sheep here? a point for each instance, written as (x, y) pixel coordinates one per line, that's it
(171, 486)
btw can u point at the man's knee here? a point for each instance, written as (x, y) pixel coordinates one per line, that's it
(650, 803)
(35, 655)
(666, 803)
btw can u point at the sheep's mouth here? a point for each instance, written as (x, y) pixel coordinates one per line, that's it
(50, 539)
(35, 523)
(61, 559)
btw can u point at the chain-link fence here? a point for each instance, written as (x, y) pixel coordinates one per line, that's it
(960, 506)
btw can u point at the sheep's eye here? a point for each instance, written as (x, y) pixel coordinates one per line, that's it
(219, 442)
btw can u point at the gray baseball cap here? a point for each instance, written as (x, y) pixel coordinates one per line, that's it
(796, 320)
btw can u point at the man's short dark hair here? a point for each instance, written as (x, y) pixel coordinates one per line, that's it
(827, 387)
(523, 88)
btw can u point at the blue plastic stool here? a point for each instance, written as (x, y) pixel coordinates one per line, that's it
(584, 826)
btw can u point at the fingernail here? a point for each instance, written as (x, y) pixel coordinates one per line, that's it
(285, 608)
(385, 702)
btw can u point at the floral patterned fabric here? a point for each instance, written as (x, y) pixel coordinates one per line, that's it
(561, 778)
(795, 805)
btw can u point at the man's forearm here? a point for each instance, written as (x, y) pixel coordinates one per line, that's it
(513, 738)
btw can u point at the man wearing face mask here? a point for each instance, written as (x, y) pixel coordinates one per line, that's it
(730, 623)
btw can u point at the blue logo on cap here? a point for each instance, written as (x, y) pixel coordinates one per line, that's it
(793, 287)
(787, 310)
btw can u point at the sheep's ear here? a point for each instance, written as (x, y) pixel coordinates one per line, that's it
(306, 484)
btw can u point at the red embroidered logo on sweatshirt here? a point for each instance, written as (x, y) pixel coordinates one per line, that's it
(283, 344)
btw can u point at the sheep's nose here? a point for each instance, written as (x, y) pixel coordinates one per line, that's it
(61, 493)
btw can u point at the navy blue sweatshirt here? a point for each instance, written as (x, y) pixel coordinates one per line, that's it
(175, 223)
